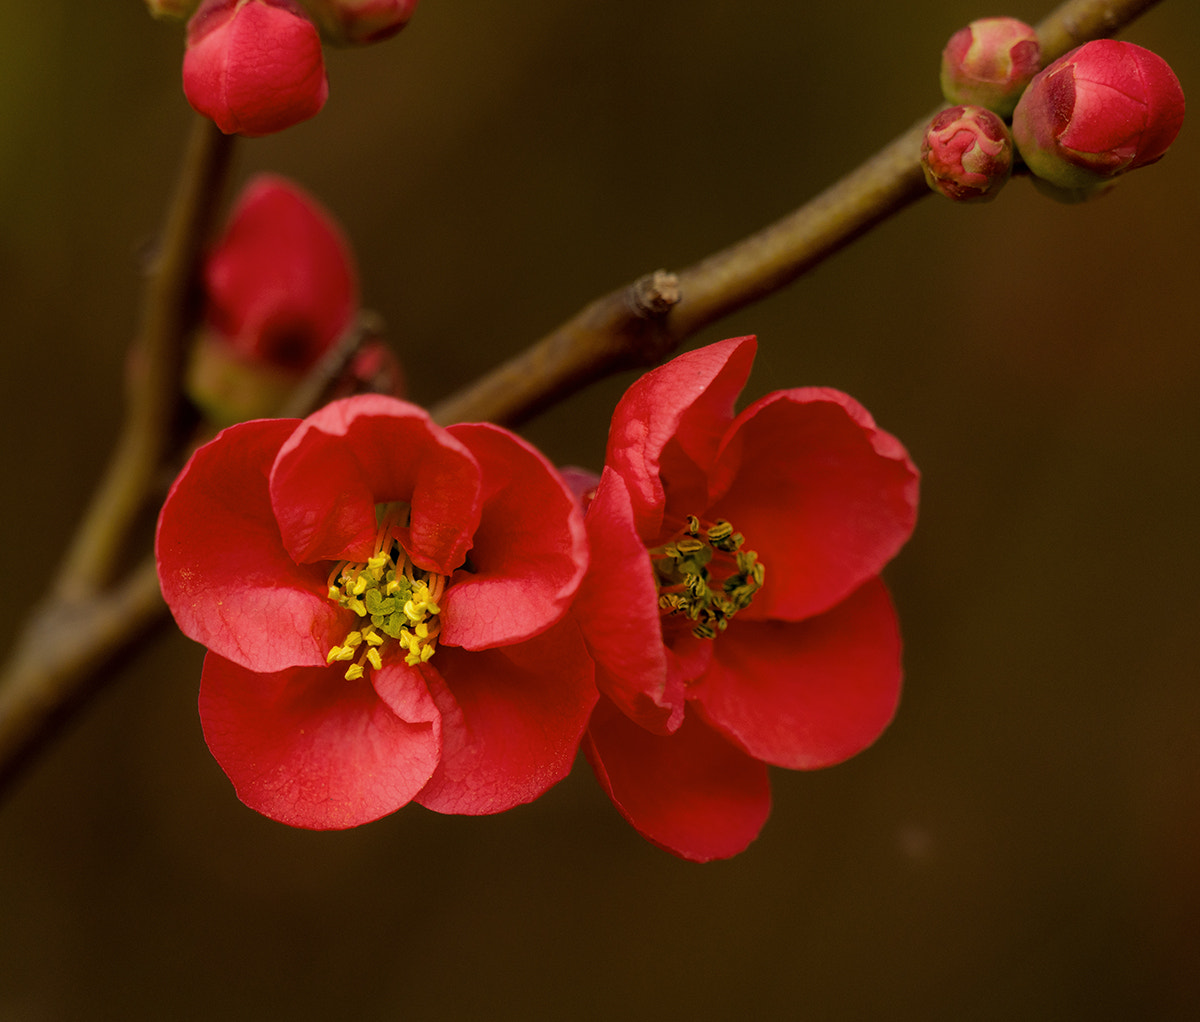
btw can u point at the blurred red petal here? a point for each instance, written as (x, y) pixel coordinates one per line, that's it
(281, 283)
(811, 693)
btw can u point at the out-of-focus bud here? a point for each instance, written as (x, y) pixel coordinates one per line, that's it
(989, 63)
(356, 22)
(281, 288)
(1105, 108)
(254, 66)
(967, 154)
(179, 9)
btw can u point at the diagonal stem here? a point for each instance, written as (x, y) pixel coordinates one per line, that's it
(623, 331)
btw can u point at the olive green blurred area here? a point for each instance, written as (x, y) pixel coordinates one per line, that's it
(1023, 843)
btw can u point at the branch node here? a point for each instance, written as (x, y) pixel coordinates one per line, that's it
(654, 295)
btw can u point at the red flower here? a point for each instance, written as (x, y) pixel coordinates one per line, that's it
(254, 66)
(733, 606)
(384, 606)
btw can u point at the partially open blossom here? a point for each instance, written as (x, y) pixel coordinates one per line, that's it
(733, 605)
(385, 607)
(280, 288)
(989, 63)
(179, 9)
(1105, 108)
(357, 22)
(254, 66)
(967, 154)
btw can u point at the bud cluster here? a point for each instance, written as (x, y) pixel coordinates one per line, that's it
(1103, 109)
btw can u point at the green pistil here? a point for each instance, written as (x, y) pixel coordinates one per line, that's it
(394, 599)
(706, 576)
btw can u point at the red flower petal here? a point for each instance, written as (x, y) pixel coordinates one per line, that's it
(310, 749)
(821, 494)
(667, 426)
(691, 792)
(617, 608)
(512, 720)
(811, 693)
(529, 551)
(222, 566)
(359, 452)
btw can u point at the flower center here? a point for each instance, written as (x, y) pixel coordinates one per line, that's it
(394, 599)
(706, 576)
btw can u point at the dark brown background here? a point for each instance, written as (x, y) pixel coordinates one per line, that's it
(1024, 842)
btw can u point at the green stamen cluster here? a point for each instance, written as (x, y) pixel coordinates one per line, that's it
(394, 602)
(685, 568)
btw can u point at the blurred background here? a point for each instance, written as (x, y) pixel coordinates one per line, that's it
(1024, 842)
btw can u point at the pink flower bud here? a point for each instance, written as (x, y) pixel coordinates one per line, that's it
(989, 63)
(356, 22)
(967, 154)
(1105, 108)
(172, 8)
(280, 289)
(254, 66)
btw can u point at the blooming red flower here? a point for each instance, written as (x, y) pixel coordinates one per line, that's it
(254, 66)
(384, 604)
(733, 606)
(1105, 108)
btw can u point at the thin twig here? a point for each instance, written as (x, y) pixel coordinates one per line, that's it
(156, 365)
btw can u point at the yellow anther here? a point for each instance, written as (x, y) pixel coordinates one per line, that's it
(396, 598)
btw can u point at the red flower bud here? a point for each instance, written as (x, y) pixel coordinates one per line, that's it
(280, 288)
(1103, 109)
(356, 22)
(254, 66)
(967, 154)
(989, 63)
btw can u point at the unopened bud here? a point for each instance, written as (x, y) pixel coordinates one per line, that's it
(967, 154)
(254, 66)
(989, 63)
(1105, 108)
(357, 22)
(280, 290)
